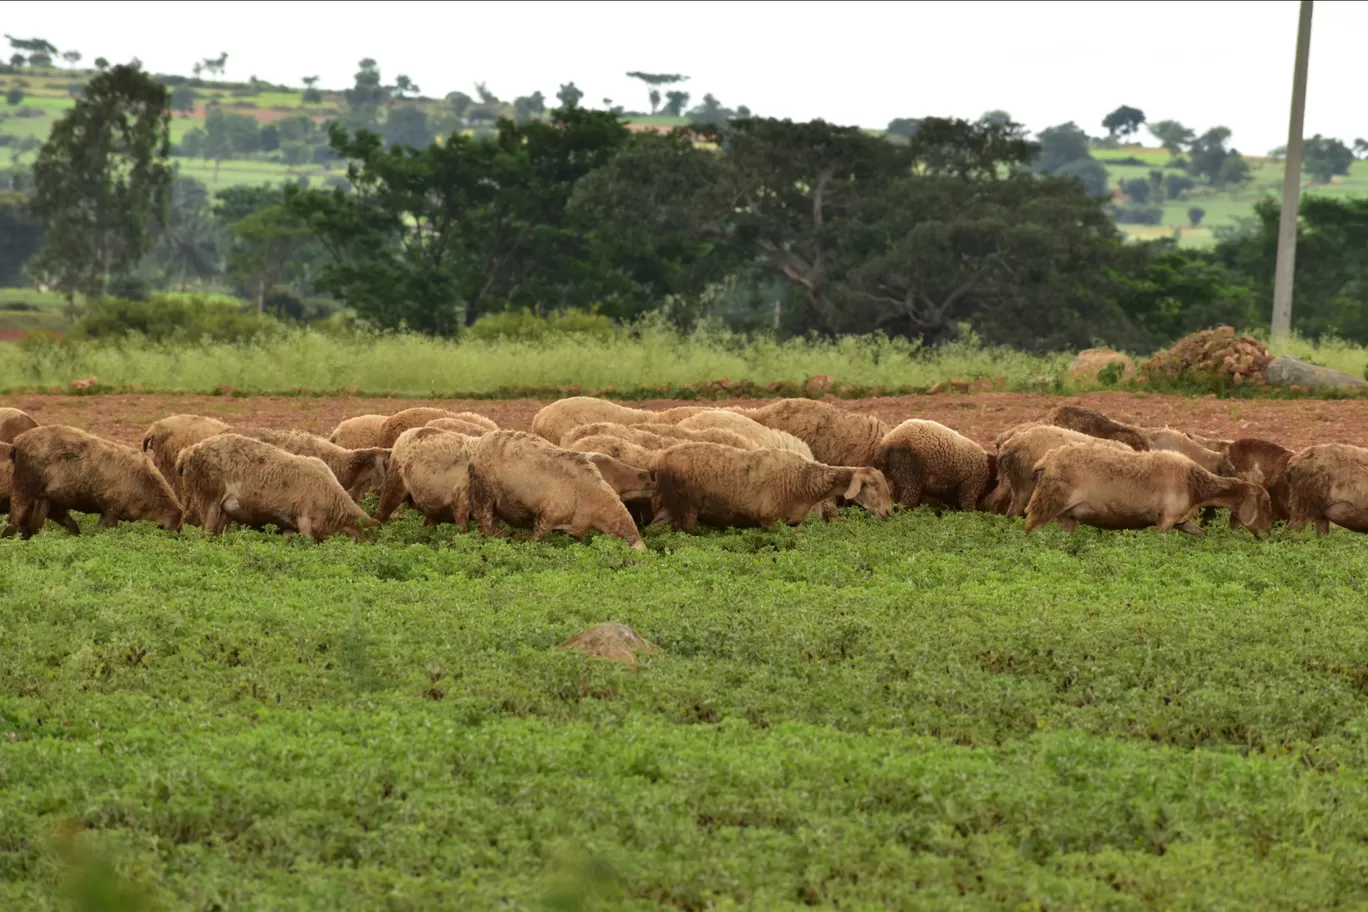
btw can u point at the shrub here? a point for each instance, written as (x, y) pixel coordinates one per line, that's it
(1138, 215)
(523, 325)
(164, 318)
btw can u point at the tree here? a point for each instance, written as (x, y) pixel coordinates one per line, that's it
(675, 103)
(1209, 158)
(1124, 121)
(14, 96)
(21, 237)
(229, 136)
(486, 97)
(1060, 145)
(265, 244)
(102, 179)
(269, 138)
(569, 96)
(1361, 148)
(233, 204)
(1323, 158)
(1092, 174)
(711, 112)
(188, 247)
(654, 80)
(528, 106)
(18, 60)
(1172, 136)
(366, 96)
(1195, 215)
(40, 61)
(309, 81)
(654, 97)
(183, 99)
(408, 126)
(101, 64)
(460, 103)
(997, 116)
(311, 93)
(32, 45)
(1137, 190)
(906, 127)
(71, 57)
(216, 65)
(403, 85)
(1175, 185)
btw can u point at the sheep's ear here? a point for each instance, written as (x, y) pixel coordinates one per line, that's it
(856, 482)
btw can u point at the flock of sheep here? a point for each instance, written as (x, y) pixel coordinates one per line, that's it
(591, 464)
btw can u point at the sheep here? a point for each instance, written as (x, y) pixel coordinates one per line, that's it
(1167, 438)
(836, 436)
(433, 476)
(232, 477)
(761, 436)
(476, 418)
(13, 423)
(620, 449)
(629, 482)
(651, 435)
(1328, 483)
(1017, 457)
(166, 437)
(553, 421)
(394, 492)
(529, 482)
(358, 471)
(358, 433)
(6, 476)
(460, 426)
(1096, 424)
(402, 421)
(927, 461)
(58, 469)
(1264, 463)
(723, 486)
(1113, 489)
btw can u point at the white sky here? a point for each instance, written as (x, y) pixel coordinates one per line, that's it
(1203, 63)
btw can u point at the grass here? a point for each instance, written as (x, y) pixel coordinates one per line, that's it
(916, 713)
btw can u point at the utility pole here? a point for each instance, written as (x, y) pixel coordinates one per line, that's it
(1291, 195)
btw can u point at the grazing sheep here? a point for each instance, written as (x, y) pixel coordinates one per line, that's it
(1096, 424)
(166, 437)
(653, 436)
(1262, 462)
(723, 486)
(460, 426)
(1114, 489)
(1328, 483)
(1217, 444)
(1176, 441)
(394, 492)
(433, 475)
(399, 422)
(627, 481)
(760, 436)
(626, 453)
(836, 436)
(925, 461)
(1015, 429)
(359, 433)
(232, 477)
(1018, 455)
(531, 483)
(358, 471)
(13, 423)
(6, 476)
(620, 449)
(553, 421)
(58, 469)
(476, 418)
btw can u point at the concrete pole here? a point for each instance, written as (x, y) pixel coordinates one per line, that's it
(1291, 195)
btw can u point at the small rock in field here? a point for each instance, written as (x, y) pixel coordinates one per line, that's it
(1289, 372)
(615, 642)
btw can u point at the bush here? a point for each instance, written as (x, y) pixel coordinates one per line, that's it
(165, 318)
(1138, 215)
(525, 326)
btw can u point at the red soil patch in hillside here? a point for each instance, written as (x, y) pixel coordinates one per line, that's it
(982, 416)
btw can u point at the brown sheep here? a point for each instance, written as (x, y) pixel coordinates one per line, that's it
(927, 462)
(556, 419)
(6, 476)
(651, 435)
(1328, 483)
(1217, 444)
(1114, 489)
(231, 477)
(528, 482)
(1262, 462)
(620, 449)
(460, 426)
(399, 422)
(1176, 441)
(761, 436)
(1096, 424)
(58, 469)
(394, 492)
(358, 433)
(723, 486)
(358, 471)
(166, 437)
(13, 423)
(627, 481)
(836, 436)
(1019, 454)
(434, 476)
(476, 418)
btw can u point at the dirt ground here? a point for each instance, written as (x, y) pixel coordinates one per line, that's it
(981, 416)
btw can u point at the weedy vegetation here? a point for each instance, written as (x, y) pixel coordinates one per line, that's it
(923, 712)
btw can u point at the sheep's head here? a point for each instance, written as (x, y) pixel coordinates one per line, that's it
(1132, 438)
(1255, 511)
(628, 481)
(869, 488)
(371, 477)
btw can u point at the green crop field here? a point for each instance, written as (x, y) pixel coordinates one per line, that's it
(918, 713)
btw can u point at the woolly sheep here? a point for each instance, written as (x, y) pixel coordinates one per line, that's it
(553, 421)
(1328, 483)
(394, 492)
(359, 471)
(620, 449)
(358, 433)
(13, 423)
(402, 421)
(232, 477)
(529, 482)
(1096, 424)
(759, 435)
(837, 436)
(723, 486)
(58, 469)
(166, 437)
(1176, 441)
(434, 476)
(925, 461)
(460, 426)
(6, 476)
(1262, 462)
(652, 435)
(1114, 489)
(1019, 454)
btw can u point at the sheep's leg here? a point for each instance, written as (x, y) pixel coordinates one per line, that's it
(460, 507)
(304, 523)
(109, 519)
(482, 508)
(1021, 497)
(65, 520)
(19, 511)
(1191, 528)
(392, 494)
(1067, 523)
(688, 522)
(541, 525)
(1322, 525)
(1041, 510)
(968, 496)
(215, 519)
(39, 514)
(1343, 513)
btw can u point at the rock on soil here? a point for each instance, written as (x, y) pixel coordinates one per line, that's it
(615, 642)
(1286, 371)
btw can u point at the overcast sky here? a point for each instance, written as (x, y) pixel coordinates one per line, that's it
(1205, 64)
